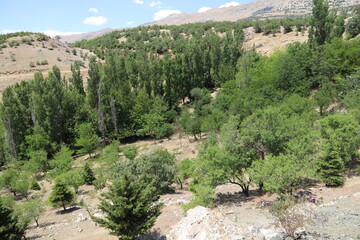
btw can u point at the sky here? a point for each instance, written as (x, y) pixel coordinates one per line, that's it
(63, 17)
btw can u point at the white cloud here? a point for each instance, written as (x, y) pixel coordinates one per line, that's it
(164, 13)
(155, 4)
(53, 33)
(230, 4)
(138, 1)
(6, 31)
(129, 23)
(203, 9)
(96, 21)
(94, 10)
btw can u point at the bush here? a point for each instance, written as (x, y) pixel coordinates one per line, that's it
(353, 26)
(290, 217)
(130, 152)
(32, 64)
(204, 195)
(14, 43)
(35, 185)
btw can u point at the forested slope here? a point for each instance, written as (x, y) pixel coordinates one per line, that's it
(277, 122)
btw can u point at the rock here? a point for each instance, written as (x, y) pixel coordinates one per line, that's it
(269, 233)
(80, 218)
(276, 238)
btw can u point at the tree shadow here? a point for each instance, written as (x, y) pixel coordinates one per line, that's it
(41, 225)
(152, 235)
(34, 237)
(236, 198)
(68, 210)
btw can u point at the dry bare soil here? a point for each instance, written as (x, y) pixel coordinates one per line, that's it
(19, 63)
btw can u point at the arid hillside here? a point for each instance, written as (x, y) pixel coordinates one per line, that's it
(21, 57)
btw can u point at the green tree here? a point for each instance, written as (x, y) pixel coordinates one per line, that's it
(61, 195)
(31, 210)
(86, 138)
(9, 226)
(130, 207)
(278, 174)
(157, 168)
(331, 166)
(74, 178)
(38, 141)
(341, 131)
(38, 162)
(88, 174)
(61, 163)
(353, 26)
(318, 26)
(184, 171)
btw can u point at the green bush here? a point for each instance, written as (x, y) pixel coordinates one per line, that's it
(353, 26)
(130, 152)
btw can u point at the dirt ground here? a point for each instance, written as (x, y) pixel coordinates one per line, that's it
(268, 44)
(15, 61)
(245, 211)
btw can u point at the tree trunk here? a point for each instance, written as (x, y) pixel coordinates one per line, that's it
(37, 222)
(113, 116)
(64, 206)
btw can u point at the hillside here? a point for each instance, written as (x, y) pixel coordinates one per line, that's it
(22, 56)
(87, 35)
(259, 9)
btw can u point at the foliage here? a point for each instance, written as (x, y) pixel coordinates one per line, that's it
(9, 226)
(130, 207)
(87, 138)
(61, 163)
(184, 171)
(352, 26)
(204, 195)
(130, 152)
(31, 210)
(88, 174)
(74, 178)
(278, 174)
(331, 166)
(157, 168)
(61, 195)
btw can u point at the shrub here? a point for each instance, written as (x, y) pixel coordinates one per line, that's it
(290, 217)
(32, 64)
(130, 152)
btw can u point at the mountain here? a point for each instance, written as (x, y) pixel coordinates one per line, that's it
(259, 9)
(87, 35)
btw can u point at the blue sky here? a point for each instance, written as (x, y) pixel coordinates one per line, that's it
(73, 16)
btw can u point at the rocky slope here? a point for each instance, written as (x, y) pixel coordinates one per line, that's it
(255, 10)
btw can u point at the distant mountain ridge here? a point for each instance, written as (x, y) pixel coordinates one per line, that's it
(259, 9)
(87, 35)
